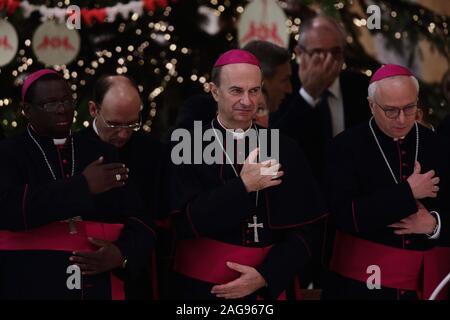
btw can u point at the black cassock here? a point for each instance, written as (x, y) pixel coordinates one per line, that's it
(144, 156)
(210, 202)
(30, 198)
(146, 159)
(364, 200)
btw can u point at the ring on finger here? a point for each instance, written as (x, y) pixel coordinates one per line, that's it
(118, 177)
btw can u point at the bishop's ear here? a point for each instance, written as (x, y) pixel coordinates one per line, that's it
(92, 108)
(24, 109)
(370, 104)
(214, 90)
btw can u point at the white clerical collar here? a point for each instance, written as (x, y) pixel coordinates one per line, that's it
(238, 134)
(56, 142)
(390, 137)
(94, 126)
(59, 142)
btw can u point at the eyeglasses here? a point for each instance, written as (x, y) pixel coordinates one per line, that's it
(53, 106)
(393, 113)
(133, 126)
(336, 52)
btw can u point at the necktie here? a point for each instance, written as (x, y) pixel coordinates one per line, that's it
(323, 110)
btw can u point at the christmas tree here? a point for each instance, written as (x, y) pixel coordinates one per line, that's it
(166, 47)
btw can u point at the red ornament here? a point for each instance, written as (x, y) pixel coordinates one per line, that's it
(150, 5)
(9, 5)
(90, 14)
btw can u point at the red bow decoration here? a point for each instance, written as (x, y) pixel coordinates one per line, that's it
(150, 5)
(10, 6)
(89, 15)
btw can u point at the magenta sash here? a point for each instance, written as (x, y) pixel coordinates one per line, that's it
(205, 259)
(56, 236)
(419, 271)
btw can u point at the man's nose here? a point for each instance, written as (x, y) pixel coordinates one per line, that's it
(245, 99)
(60, 108)
(123, 133)
(401, 117)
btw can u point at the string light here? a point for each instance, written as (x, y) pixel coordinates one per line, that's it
(76, 78)
(165, 66)
(339, 6)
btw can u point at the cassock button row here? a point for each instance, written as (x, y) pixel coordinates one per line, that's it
(65, 161)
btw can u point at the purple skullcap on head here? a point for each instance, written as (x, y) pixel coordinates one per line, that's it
(236, 56)
(390, 70)
(31, 78)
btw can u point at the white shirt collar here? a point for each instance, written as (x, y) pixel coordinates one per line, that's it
(335, 88)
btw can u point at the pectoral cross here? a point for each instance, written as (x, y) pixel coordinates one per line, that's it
(72, 225)
(255, 225)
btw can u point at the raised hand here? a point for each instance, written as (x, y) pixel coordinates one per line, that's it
(259, 176)
(103, 177)
(423, 185)
(317, 72)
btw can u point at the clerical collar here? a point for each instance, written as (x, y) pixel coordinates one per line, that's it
(94, 126)
(237, 135)
(386, 137)
(56, 142)
(59, 142)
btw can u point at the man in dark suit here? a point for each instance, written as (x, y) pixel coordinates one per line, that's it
(329, 101)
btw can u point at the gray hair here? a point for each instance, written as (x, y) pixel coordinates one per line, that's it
(372, 89)
(308, 25)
